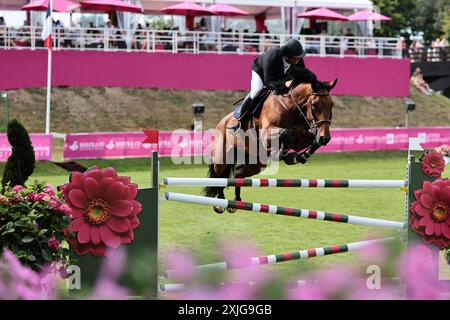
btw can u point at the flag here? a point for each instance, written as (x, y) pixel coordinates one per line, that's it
(47, 30)
(151, 136)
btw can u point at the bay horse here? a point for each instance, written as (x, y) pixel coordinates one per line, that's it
(300, 120)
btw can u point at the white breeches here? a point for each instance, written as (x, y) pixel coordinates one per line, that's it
(256, 84)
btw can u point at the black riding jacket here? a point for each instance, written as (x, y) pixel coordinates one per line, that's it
(270, 67)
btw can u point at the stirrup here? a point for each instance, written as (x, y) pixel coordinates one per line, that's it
(234, 128)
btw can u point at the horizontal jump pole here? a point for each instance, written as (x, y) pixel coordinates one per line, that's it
(177, 287)
(299, 183)
(289, 256)
(300, 213)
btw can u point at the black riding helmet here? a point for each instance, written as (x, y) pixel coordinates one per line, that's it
(293, 48)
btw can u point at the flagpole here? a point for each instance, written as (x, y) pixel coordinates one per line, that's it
(49, 76)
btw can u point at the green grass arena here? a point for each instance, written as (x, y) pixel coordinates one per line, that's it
(198, 228)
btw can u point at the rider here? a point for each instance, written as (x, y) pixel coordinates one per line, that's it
(268, 70)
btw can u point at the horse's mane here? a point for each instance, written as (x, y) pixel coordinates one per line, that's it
(299, 75)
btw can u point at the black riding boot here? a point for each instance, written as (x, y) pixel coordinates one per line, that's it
(245, 106)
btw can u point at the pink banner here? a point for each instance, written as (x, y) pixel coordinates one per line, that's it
(42, 144)
(185, 143)
(28, 69)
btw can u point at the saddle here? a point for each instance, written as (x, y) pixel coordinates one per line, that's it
(256, 105)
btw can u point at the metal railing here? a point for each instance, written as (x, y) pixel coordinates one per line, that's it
(430, 54)
(196, 42)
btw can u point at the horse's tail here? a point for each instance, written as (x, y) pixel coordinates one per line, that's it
(215, 191)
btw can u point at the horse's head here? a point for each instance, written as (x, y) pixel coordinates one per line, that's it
(319, 113)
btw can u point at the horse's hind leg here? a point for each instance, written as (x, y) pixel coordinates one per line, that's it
(243, 171)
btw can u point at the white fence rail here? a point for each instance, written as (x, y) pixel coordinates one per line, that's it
(104, 39)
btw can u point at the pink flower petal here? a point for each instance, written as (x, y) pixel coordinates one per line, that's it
(77, 178)
(445, 196)
(77, 223)
(109, 172)
(132, 191)
(95, 235)
(436, 194)
(109, 237)
(91, 188)
(421, 211)
(427, 187)
(80, 249)
(127, 238)
(105, 183)
(425, 220)
(98, 251)
(134, 222)
(119, 225)
(95, 174)
(426, 201)
(437, 229)
(124, 180)
(137, 208)
(446, 231)
(429, 228)
(84, 234)
(121, 208)
(115, 192)
(78, 198)
(76, 213)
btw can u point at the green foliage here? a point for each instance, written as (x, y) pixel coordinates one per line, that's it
(20, 164)
(34, 225)
(399, 11)
(446, 25)
(428, 17)
(159, 23)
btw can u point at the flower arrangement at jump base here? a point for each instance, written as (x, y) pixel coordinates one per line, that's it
(34, 225)
(103, 210)
(430, 212)
(433, 164)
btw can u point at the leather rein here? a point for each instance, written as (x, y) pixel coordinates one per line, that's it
(315, 125)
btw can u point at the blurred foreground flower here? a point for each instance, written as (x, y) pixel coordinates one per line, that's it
(107, 286)
(18, 282)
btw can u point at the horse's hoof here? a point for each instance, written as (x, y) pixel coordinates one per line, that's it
(231, 210)
(219, 209)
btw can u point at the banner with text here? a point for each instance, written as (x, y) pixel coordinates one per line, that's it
(187, 143)
(42, 144)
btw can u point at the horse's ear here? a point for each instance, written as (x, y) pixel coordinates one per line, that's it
(332, 84)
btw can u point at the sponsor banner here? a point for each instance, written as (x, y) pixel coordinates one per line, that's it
(186, 143)
(42, 144)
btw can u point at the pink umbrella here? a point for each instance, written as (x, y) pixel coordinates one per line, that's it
(367, 15)
(188, 9)
(109, 6)
(323, 14)
(227, 10)
(58, 6)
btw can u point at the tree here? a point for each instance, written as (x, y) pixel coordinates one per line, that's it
(20, 164)
(429, 17)
(399, 11)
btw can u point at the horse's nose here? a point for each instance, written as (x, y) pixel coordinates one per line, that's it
(323, 140)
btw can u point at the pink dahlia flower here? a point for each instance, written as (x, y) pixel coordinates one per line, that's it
(430, 213)
(433, 164)
(103, 209)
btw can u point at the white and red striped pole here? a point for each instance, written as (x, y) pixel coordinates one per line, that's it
(293, 212)
(289, 256)
(298, 183)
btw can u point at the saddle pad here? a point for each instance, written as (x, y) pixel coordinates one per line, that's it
(259, 102)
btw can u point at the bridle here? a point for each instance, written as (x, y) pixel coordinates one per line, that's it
(315, 125)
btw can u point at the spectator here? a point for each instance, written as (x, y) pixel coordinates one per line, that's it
(418, 82)
(2, 31)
